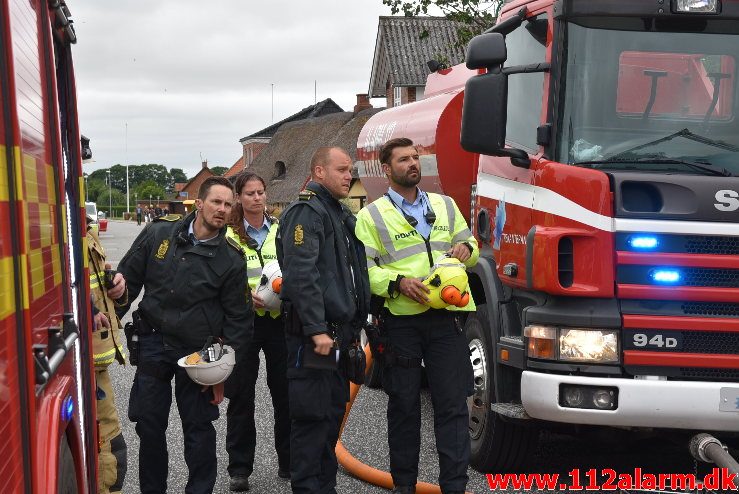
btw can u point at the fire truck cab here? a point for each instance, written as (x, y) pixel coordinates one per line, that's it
(46, 379)
(607, 205)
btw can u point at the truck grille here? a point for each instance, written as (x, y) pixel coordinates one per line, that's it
(710, 309)
(709, 374)
(710, 342)
(695, 244)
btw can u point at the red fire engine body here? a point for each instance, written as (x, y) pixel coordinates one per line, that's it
(46, 386)
(595, 144)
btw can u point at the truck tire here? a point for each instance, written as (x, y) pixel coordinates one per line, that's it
(66, 474)
(497, 445)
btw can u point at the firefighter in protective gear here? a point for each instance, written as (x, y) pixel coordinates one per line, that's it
(108, 292)
(403, 233)
(255, 231)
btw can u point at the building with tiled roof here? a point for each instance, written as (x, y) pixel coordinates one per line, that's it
(403, 49)
(235, 169)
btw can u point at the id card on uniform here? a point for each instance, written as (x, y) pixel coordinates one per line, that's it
(313, 360)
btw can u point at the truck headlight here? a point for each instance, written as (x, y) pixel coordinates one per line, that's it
(696, 6)
(588, 345)
(541, 341)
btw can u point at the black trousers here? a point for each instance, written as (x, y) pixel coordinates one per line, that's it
(433, 336)
(317, 405)
(241, 432)
(148, 406)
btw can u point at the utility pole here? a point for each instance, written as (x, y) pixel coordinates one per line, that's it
(273, 102)
(315, 91)
(128, 194)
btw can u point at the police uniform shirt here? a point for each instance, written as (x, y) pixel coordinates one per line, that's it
(193, 238)
(417, 209)
(258, 234)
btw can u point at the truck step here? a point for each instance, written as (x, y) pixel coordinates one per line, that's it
(511, 410)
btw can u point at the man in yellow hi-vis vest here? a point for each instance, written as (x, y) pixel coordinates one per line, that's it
(108, 291)
(406, 234)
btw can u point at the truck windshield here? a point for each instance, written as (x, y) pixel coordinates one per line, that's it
(646, 94)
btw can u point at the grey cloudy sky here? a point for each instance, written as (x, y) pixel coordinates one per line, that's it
(191, 77)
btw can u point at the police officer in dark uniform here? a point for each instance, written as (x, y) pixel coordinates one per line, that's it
(195, 288)
(325, 294)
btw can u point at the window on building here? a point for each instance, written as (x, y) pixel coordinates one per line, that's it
(280, 170)
(397, 92)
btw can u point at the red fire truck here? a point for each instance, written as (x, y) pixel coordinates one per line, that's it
(46, 380)
(599, 159)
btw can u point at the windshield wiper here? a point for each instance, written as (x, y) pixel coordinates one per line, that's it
(709, 168)
(687, 134)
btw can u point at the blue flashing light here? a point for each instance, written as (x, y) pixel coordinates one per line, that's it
(665, 276)
(643, 242)
(67, 409)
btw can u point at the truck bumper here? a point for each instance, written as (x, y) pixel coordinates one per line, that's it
(641, 403)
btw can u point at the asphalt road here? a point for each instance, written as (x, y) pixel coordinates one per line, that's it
(366, 433)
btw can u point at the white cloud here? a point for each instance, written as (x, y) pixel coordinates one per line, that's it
(192, 77)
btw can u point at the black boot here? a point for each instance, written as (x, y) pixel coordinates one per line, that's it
(405, 489)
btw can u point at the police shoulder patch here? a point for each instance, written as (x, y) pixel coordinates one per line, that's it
(306, 195)
(233, 243)
(169, 217)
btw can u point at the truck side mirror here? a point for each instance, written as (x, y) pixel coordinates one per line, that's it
(485, 107)
(486, 51)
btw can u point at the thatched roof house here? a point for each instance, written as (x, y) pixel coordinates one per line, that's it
(285, 162)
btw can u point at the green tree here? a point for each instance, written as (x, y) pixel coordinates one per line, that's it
(104, 199)
(155, 173)
(150, 189)
(219, 170)
(474, 16)
(178, 175)
(95, 188)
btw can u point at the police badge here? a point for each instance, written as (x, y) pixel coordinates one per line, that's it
(298, 235)
(162, 250)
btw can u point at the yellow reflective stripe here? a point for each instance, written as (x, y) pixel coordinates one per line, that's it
(449, 211)
(7, 285)
(255, 272)
(381, 228)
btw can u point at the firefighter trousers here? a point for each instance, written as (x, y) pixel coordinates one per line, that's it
(112, 451)
(435, 337)
(149, 406)
(241, 432)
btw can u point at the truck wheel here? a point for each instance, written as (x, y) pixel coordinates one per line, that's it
(496, 445)
(66, 475)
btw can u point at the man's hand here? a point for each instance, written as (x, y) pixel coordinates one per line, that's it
(323, 343)
(217, 393)
(414, 289)
(119, 287)
(100, 321)
(258, 302)
(460, 251)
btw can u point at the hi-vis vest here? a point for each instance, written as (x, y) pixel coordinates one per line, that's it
(256, 259)
(106, 343)
(395, 248)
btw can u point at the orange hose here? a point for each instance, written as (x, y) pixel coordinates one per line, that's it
(361, 470)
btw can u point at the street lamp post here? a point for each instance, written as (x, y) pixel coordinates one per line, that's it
(87, 192)
(110, 196)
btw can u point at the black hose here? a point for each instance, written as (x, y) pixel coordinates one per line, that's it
(705, 447)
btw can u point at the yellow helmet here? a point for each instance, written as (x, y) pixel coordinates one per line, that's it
(448, 284)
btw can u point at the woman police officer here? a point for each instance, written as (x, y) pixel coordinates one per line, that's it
(255, 231)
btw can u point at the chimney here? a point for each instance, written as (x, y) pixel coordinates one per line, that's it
(363, 103)
(205, 164)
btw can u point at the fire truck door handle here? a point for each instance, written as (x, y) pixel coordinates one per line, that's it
(48, 358)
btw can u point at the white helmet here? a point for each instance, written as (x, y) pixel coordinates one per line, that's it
(211, 365)
(270, 285)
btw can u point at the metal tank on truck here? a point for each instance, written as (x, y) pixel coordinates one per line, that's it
(594, 146)
(47, 398)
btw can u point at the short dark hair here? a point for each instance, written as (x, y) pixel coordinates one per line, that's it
(386, 151)
(322, 156)
(210, 182)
